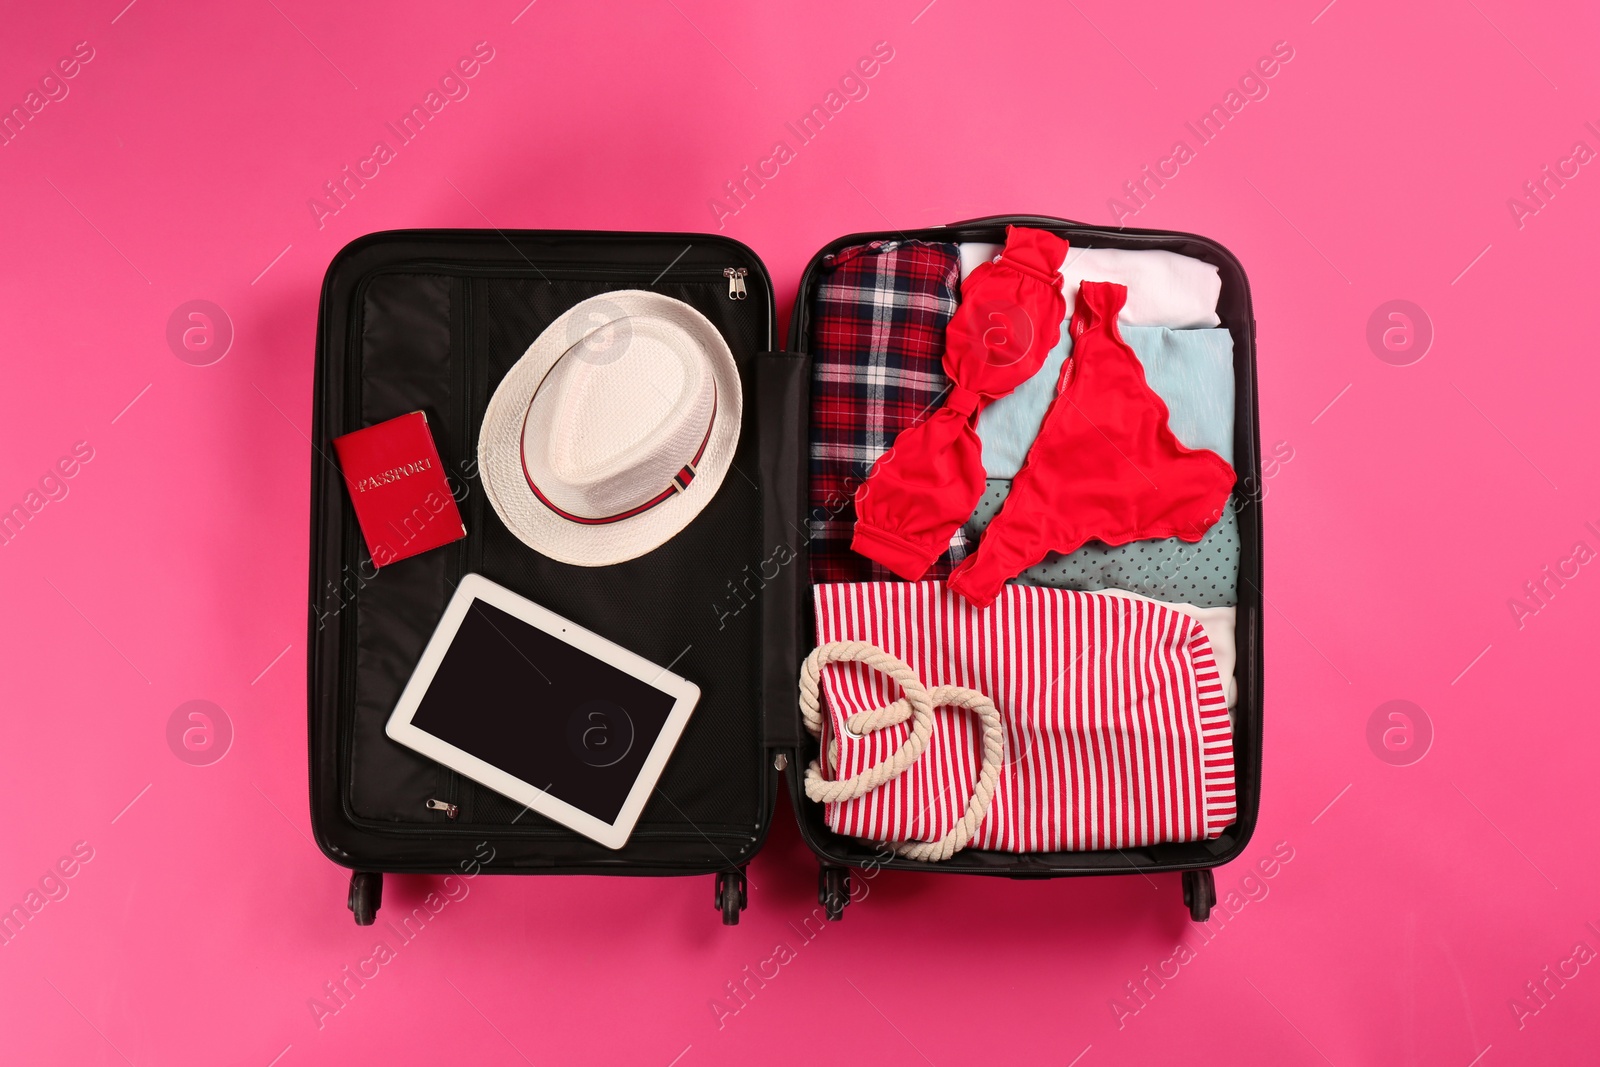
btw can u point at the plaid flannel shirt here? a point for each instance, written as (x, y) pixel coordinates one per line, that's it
(877, 345)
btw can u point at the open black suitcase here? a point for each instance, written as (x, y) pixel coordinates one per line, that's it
(431, 320)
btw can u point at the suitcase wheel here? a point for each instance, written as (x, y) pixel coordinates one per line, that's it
(732, 895)
(833, 891)
(1199, 894)
(366, 896)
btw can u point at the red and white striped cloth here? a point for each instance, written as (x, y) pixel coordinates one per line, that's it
(1117, 731)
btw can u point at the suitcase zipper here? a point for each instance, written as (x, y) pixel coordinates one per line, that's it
(569, 271)
(450, 810)
(736, 276)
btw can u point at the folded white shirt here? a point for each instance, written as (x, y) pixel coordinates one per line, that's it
(1164, 288)
(972, 253)
(1219, 625)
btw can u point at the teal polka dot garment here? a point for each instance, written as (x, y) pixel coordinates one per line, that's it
(1205, 574)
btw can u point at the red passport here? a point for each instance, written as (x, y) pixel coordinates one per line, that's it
(398, 487)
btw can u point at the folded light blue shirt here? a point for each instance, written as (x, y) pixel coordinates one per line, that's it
(1192, 370)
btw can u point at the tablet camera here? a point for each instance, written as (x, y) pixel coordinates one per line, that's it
(600, 733)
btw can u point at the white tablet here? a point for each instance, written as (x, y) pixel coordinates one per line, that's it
(543, 711)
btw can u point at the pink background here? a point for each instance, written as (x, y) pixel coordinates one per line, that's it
(1419, 900)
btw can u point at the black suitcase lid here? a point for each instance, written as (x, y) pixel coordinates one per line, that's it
(432, 320)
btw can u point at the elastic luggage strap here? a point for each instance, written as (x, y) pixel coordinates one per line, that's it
(917, 705)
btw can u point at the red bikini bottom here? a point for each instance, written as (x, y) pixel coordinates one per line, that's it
(1105, 465)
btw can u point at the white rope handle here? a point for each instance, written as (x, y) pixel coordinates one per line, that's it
(994, 756)
(917, 704)
(825, 791)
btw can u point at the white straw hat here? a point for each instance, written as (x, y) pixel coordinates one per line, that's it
(613, 430)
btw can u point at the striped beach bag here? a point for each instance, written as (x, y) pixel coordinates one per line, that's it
(1051, 721)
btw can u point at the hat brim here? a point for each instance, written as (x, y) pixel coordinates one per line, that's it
(500, 440)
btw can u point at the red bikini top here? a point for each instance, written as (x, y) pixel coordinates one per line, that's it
(921, 490)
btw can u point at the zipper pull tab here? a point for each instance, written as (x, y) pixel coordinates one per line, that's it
(450, 810)
(738, 281)
(733, 282)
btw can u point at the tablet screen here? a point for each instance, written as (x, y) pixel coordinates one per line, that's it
(543, 710)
